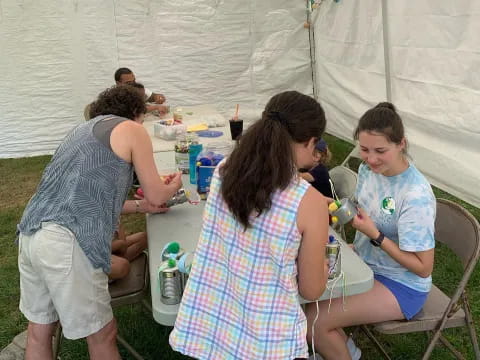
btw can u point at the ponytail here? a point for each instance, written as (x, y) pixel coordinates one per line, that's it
(263, 160)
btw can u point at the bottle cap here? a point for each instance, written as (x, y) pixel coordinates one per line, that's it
(331, 239)
(173, 247)
(334, 219)
(172, 263)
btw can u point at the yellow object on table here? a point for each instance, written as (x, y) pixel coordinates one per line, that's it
(197, 127)
(332, 207)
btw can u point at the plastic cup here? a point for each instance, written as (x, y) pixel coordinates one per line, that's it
(236, 128)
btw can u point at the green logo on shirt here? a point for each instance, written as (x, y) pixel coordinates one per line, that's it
(388, 205)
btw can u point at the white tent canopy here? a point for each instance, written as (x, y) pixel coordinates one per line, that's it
(55, 56)
(432, 52)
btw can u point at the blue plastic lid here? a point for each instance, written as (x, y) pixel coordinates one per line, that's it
(331, 239)
(209, 133)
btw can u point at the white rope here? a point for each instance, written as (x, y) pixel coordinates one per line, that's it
(330, 286)
(332, 187)
(313, 332)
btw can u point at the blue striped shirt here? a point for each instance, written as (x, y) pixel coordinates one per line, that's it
(83, 188)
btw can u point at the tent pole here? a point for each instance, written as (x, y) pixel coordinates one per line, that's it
(386, 50)
(311, 40)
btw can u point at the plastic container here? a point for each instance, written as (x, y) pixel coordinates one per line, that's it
(178, 114)
(207, 161)
(182, 146)
(163, 130)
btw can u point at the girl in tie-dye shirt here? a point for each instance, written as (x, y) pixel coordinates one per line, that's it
(395, 235)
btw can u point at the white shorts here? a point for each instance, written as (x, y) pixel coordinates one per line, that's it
(58, 282)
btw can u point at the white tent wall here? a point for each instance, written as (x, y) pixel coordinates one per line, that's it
(434, 57)
(56, 56)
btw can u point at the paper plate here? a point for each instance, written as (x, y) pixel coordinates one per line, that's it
(209, 133)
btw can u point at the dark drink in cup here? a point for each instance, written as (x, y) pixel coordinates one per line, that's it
(236, 128)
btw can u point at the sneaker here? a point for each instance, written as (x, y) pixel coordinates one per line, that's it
(353, 349)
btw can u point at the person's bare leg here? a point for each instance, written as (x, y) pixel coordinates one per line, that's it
(119, 268)
(376, 305)
(103, 344)
(39, 341)
(136, 244)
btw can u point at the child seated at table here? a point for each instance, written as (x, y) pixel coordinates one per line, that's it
(125, 249)
(395, 237)
(318, 175)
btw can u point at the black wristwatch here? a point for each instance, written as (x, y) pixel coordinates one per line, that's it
(378, 241)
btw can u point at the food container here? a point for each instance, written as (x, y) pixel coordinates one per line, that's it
(182, 145)
(178, 114)
(163, 130)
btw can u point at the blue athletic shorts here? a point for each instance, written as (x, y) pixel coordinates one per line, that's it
(411, 301)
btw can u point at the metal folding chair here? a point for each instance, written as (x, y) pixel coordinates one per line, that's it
(456, 228)
(344, 183)
(130, 290)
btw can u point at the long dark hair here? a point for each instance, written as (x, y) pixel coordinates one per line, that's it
(263, 160)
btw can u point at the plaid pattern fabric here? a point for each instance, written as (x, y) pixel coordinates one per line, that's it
(241, 299)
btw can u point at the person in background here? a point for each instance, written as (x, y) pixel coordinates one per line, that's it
(259, 246)
(125, 76)
(141, 90)
(395, 236)
(156, 109)
(318, 176)
(67, 227)
(126, 248)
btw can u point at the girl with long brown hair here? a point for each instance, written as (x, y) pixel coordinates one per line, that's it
(262, 242)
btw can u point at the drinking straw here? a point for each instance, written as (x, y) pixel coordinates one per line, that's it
(235, 117)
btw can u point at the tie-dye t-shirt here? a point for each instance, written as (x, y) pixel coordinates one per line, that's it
(403, 208)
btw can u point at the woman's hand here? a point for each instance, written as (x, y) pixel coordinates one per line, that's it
(363, 223)
(146, 207)
(167, 179)
(329, 200)
(173, 183)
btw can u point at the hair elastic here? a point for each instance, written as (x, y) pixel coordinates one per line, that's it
(277, 115)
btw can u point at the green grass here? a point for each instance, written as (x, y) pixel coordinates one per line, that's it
(19, 180)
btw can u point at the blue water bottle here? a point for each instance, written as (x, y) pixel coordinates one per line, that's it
(193, 151)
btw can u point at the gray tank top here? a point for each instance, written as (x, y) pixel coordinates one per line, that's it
(83, 188)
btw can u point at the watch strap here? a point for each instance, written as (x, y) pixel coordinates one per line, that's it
(378, 241)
